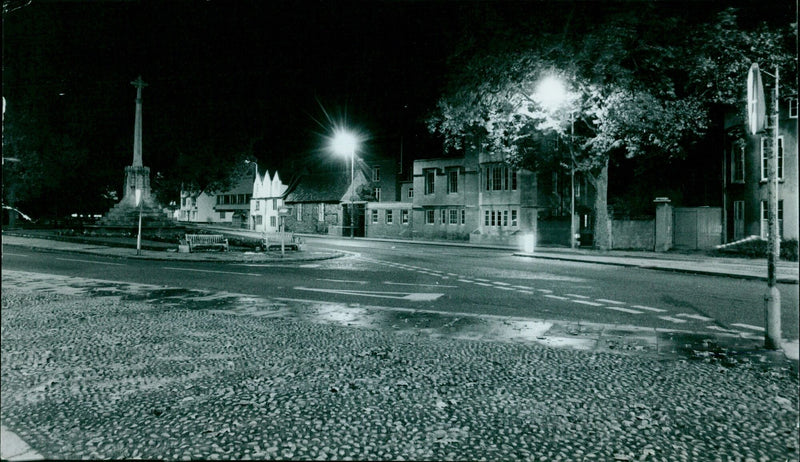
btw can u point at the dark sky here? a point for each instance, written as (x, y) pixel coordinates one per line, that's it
(235, 70)
(228, 72)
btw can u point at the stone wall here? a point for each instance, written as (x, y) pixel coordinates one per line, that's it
(633, 234)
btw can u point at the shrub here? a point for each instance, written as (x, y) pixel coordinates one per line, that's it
(757, 248)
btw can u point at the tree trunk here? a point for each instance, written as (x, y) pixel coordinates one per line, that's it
(602, 221)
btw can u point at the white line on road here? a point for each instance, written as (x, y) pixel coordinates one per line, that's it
(452, 274)
(15, 254)
(748, 326)
(557, 297)
(624, 310)
(694, 316)
(418, 285)
(523, 287)
(546, 291)
(671, 319)
(465, 280)
(615, 302)
(501, 283)
(416, 297)
(586, 302)
(346, 281)
(720, 329)
(503, 288)
(91, 261)
(484, 284)
(482, 280)
(529, 292)
(576, 296)
(649, 308)
(210, 271)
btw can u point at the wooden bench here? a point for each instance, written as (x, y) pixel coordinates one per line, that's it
(272, 241)
(198, 241)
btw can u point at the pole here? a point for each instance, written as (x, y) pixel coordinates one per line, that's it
(139, 234)
(352, 193)
(772, 335)
(283, 252)
(571, 182)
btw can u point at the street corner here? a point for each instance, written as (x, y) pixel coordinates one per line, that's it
(13, 448)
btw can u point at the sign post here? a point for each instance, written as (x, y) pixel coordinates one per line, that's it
(756, 118)
(282, 212)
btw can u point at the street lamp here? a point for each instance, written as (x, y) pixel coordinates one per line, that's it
(552, 94)
(344, 143)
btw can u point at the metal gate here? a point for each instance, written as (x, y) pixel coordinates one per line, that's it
(697, 228)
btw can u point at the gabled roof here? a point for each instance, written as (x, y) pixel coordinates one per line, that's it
(320, 187)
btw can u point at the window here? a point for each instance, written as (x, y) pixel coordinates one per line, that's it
(793, 108)
(737, 164)
(410, 193)
(513, 179)
(258, 205)
(497, 178)
(389, 217)
(454, 217)
(404, 217)
(429, 217)
(221, 215)
(505, 217)
(452, 181)
(259, 219)
(299, 208)
(272, 221)
(240, 199)
(274, 204)
(430, 178)
(377, 194)
(766, 145)
(442, 215)
(321, 213)
(376, 174)
(765, 219)
(494, 223)
(374, 216)
(486, 218)
(463, 217)
(514, 217)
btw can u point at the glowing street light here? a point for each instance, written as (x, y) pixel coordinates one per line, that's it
(551, 93)
(345, 143)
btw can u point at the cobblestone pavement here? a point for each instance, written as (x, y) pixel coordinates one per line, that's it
(108, 376)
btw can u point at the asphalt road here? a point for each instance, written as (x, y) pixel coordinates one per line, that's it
(455, 279)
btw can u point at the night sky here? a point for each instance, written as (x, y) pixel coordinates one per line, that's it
(234, 73)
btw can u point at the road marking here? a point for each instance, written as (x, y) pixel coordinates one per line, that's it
(15, 254)
(416, 297)
(694, 316)
(529, 292)
(576, 296)
(311, 265)
(501, 283)
(557, 297)
(720, 329)
(624, 310)
(452, 274)
(585, 302)
(547, 291)
(482, 280)
(342, 280)
(484, 284)
(210, 271)
(671, 319)
(748, 326)
(649, 308)
(465, 280)
(503, 288)
(91, 261)
(523, 287)
(605, 300)
(418, 285)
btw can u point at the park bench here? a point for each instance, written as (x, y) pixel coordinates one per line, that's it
(272, 241)
(203, 241)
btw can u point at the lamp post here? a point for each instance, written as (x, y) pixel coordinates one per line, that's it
(139, 234)
(344, 143)
(552, 94)
(255, 164)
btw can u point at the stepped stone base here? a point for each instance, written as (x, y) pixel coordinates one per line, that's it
(123, 218)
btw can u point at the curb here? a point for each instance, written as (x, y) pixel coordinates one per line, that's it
(780, 280)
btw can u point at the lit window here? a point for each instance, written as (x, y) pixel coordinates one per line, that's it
(404, 217)
(389, 217)
(374, 216)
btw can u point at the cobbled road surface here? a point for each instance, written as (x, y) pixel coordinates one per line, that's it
(114, 377)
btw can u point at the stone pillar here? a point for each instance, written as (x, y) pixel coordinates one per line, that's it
(663, 224)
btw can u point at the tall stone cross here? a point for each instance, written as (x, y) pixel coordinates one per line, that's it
(137, 128)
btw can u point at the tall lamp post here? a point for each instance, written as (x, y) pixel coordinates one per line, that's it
(551, 94)
(344, 143)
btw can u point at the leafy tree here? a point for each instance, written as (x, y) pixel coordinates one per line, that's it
(636, 88)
